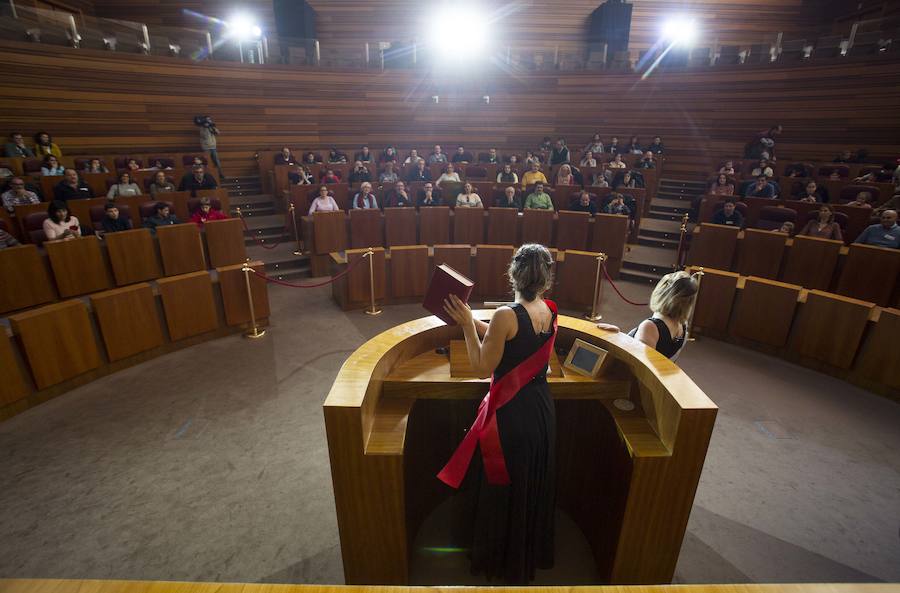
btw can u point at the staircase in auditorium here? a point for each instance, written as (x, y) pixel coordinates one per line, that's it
(266, 226)
(655, 252)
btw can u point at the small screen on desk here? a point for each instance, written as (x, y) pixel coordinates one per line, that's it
(584, 359)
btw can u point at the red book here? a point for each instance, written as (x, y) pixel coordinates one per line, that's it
(444, 282)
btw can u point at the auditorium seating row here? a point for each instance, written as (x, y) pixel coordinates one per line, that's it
(328, 232)
(847, 171)
(402, 274)
(769, 214)
(57, 347)
(85, 265)
(114, 162)
(26, 222)
(844, 190)
(857, 271)
(846, 337)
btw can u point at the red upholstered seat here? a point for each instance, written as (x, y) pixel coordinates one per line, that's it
(826, 170)
(148, 209)
(34, 227)
(32, 165)
(772, 217)
(849, 192)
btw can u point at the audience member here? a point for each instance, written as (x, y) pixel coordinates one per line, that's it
(428, 197)
(823, 226)
(893, 203)
(538, 199)
(450, 175)
(647, 161)
(509, 199)
(59, 224)
(413, 157)
(364, 155)
(886, 234)
(205, 212)
(583, 203)
(883, 175)
(546, 144)
(835, 175)
(95, 166)
(761, 189)
(564, 176)
(461, 155)
(491, 158)
(468, 198)
(112, 221)
(657, 146)
(845, 157)
(786, 227)
(364, 198)
(285, 157)
(125, 187)
(535, 175)
(197, 179)
(16, 148)
(617, 162)
(532, 157)
(359, 173)
(388, 175)
(613, 147)
(626, 180)
(420, 173)
(727, 169)
(812, 193)
(513, 160)
(311, 158)
(795, 170)
(763, 143)
(762, 168)
(51, 166)
(617, 205)
(634, 146)
(507, 175)
(133, 165)
(389, 155)
(158, 166)
(729, 215)
(44, 145)
(72, 187)
(862, 200)
(330, 177)
(560, 153)
(722, 186)
(18, 195)
(301, 175)
(324, 202)
(161, 184)
(398, 197)
(335, 156)
(7, 240)
(437, 156)
(208, 141)
(595, 145)
(588, 160)
(162, 217)
(600, 179)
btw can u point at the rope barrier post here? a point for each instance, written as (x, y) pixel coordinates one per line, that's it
(370, 253)
(594, 315)
(299, 250)
(688, 337)
(683, 232)
(254, 331)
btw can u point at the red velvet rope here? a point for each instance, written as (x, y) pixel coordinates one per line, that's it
(316, 285)
(260, 243)
(618, 292)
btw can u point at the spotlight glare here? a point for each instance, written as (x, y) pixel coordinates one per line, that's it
(242, 28)
(680, 31)
(459, 32)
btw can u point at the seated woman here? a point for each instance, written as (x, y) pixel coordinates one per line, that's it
(160, 184)
(59, 225)
(564, 176)
(588, 160)
(44, 145)
(823, 226)
(727, 169)
(625, 180)
(468, 198)
(634, 146)
(413, 158)
(360, 173)
(336, 156)
(507, 175)
(95, 166)
(812, 193)
(388, 175)
(51, 166)
(513, 159)
(125, 187)
(762, 168)
(206, 213)
(133, 165)
(330, 177)
(617, 162)
(449, 175)
(389, 155)
(671, 304)
(323, 202)
(301, 176)
(722, 186)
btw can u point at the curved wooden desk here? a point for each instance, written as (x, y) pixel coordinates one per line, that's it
(394, 416)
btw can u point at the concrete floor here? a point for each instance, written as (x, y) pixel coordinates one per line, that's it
(211, 464)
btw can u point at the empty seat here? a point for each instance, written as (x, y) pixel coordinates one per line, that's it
(32, 166)
(772, 217)
(729, 54)
(759, 54)
(793, 51)
(700, 57)
(839, 217)
(34, 227)
(867, 43)
(849, 193)
(828, 47)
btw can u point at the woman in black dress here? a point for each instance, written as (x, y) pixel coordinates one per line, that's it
(514, 488)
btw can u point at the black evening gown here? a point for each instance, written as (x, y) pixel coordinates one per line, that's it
(512, 533)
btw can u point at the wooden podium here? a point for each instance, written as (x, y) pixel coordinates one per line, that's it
(394, 415)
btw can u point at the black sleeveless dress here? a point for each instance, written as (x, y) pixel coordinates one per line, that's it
(666, 345)
(513, 531)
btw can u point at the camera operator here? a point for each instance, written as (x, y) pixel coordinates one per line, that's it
(208, 133)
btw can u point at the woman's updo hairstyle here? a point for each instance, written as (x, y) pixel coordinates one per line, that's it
(674, 296)
(529, 271)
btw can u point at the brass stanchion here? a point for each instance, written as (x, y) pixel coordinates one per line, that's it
(299, 250)
(690, 324)
(683, 232)
(371, 255)
(254, 331)
(598, 287)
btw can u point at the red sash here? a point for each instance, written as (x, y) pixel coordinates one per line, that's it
(484, 430)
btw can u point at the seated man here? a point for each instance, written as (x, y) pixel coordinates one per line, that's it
(162, 217)
(398, 197)
(657, 146)
(462, 156)
(360, 173)
(617, 205)
(364, 155)
(538, 199)
(886, 234)
(429, 197)
(285, 157)
(813, 193)
(583, 203)
(535, 175)
(18, 195)
(862, 200)
(509, 199)
(206, 213)
(198, 178)
(647, 162)
(364, 198)
(893, 203)
(729, 215)
(560, 153)
(72, 187)
(113, 222)
(7, 240)
(507, 175)
(491, 157)
(437, 156)
(16, 148)
(419, 173)
(761, 189)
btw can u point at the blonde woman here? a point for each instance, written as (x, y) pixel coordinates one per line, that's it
(671, 303)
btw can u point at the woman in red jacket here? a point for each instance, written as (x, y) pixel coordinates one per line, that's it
(206, 212)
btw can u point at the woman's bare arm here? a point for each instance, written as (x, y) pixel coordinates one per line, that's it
(647, 333)
(484, 355)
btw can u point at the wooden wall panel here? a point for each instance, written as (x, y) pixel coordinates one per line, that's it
(409, 271)
(181, 248)
(572, 230)
(503, 226)
(764, 311)
(870, 273)
(78, 266)
(760, 254)
(24, 278)
(14, 386)
(188, 304)
(359, 280)
(128, 320)
(491, 263)
(829, 328)
(225, 241)
(399, 226)
(458, 257)
(811, 262)
(877, 360)
(366, 229)
(468, 226)
(57, 341)
(233, 287)
(570, 283)
(609, 237)
(537, 226)
(132, 255)
(434, 225)
(713, 246)
(714, 303)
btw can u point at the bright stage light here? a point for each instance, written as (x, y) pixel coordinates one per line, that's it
(241, 27)
(680, 31)
(459, 32)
